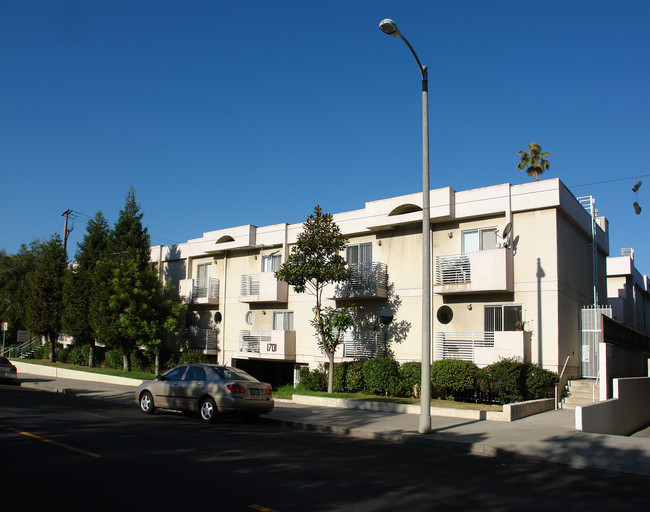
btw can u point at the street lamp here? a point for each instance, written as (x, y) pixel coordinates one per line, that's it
(389, 27)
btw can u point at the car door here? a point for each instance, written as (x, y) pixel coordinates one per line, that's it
(166, 388)
(188, 390)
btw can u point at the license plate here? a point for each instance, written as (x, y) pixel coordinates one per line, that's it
(255, 392)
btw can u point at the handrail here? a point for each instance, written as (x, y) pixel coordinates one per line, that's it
(593, 389)
(560, 380)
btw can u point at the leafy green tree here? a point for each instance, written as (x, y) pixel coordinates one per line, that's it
(315, 262)
(44, 292)
(129, 306)
(78, 286)
(14, 269)
(534, 161)
(148, 313)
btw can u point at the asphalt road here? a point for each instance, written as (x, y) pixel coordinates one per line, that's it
(60, 450)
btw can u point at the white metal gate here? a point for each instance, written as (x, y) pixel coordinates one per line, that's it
(590, 337)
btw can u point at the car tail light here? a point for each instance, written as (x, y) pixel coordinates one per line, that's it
(268, 391)
(236, 388)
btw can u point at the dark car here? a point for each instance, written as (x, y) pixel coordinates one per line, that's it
(207, 389)
(8, 372)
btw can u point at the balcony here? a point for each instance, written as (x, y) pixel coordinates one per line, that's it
(483, 348)
(200, 339)
(369, 280)
(200, 291)
(364, 344)
(268, 344)
(262, 287)
(475, 272)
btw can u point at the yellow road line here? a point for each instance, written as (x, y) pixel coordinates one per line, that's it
(34, 436)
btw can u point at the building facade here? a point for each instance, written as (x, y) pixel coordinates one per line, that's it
(512, 266)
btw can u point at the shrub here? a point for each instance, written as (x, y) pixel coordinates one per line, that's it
(454, 376)
(78, 354)
(540, 383)
(313, 380)
(354, 381)
(340, 374)
(114, 358)
(411, 376)
(381, 376)
(507, 380)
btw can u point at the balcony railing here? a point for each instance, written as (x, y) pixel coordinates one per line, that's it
(482, 348)
(268, 344)
(262, 287)
(200, 291)
(453, 269)
(200, 339)
(461, 345)
(490, 270)
(368, 280)
(364, 344)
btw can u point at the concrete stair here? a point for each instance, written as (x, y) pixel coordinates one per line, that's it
(580, 392)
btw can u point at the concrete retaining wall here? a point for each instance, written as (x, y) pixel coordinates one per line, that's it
(64, 373)
(511, 412)
(624, 414)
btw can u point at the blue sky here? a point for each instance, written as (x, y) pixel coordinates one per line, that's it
(211, 108)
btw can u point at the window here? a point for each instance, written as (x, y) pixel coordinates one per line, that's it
(360, 253)
(176, 373)
(271, 263)
(502, 318)
(195, 373)
(479, 239)
(283, 320)
(203, 272)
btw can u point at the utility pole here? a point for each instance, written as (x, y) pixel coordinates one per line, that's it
(66, 231)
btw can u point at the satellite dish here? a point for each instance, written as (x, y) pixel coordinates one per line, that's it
(507, 230)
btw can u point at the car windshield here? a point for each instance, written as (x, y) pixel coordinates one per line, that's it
(228, 373)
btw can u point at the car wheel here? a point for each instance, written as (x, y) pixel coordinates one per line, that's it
(146, 403)
(208, 410)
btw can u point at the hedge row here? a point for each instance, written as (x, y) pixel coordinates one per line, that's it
(141, 360)
(506, 381)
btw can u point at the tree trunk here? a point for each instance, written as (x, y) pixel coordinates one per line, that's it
(126, 362)
(52, 340)
(330, 380)
(91, 355)
(157, 364)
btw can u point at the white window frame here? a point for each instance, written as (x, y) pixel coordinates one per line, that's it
(283, 320)
(358, 253)
(479, 233)
(271, 262)
(500, 316)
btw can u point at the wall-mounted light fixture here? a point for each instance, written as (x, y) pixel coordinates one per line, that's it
(450, 234)
(469, 306)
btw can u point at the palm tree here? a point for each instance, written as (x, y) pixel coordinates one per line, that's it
(534, 161)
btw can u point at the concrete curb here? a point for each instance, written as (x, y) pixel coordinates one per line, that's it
(511, 412)
(64, 373)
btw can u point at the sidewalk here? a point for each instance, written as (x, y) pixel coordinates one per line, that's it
(545, 437)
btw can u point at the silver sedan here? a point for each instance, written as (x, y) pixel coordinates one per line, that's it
(207, 389)
(8, 371)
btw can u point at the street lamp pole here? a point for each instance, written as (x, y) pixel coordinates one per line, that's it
(389, 27)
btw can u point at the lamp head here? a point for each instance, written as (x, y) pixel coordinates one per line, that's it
(389, 27)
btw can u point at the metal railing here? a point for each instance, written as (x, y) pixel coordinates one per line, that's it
(205, 288)
(364, 344)
(453, 269)
(23, 350)
(368, 277)
(249, 285)
(461, 345)
(250, 341)
(201, 339)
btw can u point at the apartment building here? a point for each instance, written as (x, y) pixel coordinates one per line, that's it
(512, 267)
(628, 292)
